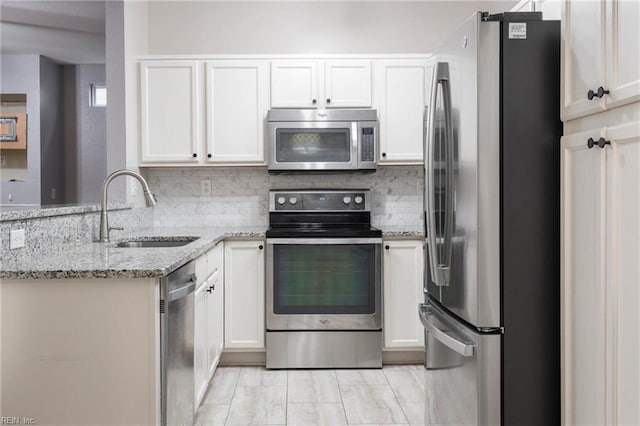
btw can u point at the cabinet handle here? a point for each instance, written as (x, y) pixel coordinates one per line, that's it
(260, 247)
(208, 155)
(387, 247)
(328, 100)
(602, 142)
(210, 289)
(195, 155)
(597, 94)
(314, 101)
(384, 154)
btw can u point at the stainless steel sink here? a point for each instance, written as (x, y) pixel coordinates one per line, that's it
(157, 242)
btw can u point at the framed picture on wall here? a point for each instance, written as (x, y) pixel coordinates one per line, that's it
(13, 131)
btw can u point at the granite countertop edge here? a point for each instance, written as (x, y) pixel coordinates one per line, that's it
(105, 260)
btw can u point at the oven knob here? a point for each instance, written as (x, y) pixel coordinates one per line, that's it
(293, 200)
(346, 200)
(281, 200)
(358, 200)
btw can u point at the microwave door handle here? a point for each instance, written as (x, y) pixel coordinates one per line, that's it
(355, 157)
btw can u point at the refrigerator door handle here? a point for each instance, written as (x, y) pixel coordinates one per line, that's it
(440, 255)
(444, 337)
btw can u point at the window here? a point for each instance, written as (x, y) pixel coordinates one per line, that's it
(98, 95)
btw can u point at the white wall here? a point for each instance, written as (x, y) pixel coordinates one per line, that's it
(91, 152)
(280, 27)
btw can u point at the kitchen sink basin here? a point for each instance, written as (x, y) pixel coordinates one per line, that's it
(157, 242)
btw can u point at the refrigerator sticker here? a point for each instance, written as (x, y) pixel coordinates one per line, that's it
(518, 30)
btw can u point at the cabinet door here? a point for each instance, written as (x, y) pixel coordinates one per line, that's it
(400, 91)
(623, 52)
(244, 294)
(583, 280)
(403, 270)
(294, 84)
(347, 83)
(215, 321)
(237, 93)
(623, 272)
(169, 111)
(200, 344)
(582, 57)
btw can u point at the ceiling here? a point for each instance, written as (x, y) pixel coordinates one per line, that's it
(71, 32)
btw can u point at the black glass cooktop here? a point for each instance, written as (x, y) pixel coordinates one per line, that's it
(318, 231)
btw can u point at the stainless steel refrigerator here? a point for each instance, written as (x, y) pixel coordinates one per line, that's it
(492, 224)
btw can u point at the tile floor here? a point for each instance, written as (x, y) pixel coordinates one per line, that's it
(257, 396)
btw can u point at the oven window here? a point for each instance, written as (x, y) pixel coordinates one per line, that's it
(324, 279)
(315, 145)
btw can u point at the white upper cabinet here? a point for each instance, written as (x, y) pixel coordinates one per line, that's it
(170, 111)
(400, 98)
(294, 84)
(325, 84)
(237, 102)
(600, 53)
(347, 83)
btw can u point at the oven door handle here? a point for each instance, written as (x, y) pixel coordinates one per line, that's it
(317, 241)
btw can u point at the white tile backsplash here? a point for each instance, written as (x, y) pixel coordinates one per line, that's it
(239, 194)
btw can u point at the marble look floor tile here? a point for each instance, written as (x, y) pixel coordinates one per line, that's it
(253, 405)
(312, 386)
(403, 367)
(222, 386)
(408, 384)
(371, 404)
(361, 377)
(414, 411)
(212, 414)
(316, 414)
(260, 376)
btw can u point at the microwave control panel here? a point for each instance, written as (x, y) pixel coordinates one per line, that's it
(367, 144)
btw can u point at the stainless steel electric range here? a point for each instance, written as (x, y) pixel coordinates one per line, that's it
(323, 299)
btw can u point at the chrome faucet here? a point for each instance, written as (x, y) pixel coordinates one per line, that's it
(149, 199)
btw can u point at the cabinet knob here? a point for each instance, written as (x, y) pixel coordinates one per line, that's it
(387, 247)
(597, 94)
(601, 143)
(328, 100)
(195, 155)
(314, 101)
(260, 247)
(208, 155)
(384, 154)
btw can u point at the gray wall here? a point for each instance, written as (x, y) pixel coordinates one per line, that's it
(282, 27)
(52, 135)
(91, 130)
(21, 74)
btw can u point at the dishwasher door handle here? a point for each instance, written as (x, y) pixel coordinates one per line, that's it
(190, 286)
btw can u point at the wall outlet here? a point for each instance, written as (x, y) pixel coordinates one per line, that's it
(205, 187)
(17, 239)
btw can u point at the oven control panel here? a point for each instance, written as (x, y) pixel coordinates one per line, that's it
(319, 200)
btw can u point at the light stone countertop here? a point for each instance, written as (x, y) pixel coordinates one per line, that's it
(105, 260)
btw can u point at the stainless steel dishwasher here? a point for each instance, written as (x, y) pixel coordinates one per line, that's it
(176, 345)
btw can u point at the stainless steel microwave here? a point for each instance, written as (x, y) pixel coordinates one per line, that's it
(322, 140)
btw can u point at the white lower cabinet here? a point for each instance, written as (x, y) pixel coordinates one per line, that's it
(403, 263)
(600, 277)
(244, 295)
(209, 318)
